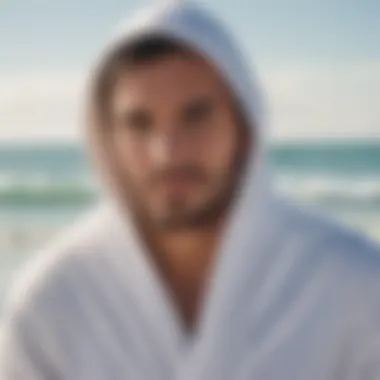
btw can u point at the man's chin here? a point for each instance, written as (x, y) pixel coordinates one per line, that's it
(176, 216)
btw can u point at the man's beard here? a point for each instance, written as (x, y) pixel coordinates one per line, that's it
(178, 216)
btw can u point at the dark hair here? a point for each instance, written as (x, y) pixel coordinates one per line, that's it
(148, 49)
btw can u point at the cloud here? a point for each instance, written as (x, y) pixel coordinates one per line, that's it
(41, 105)
(304, 102)
(324, 102)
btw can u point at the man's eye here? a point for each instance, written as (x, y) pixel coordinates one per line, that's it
(139, 122)
(197, 114)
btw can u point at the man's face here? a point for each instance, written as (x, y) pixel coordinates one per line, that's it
(175, 140)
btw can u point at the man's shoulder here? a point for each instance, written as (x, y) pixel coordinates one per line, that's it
(52, 268)
(331, 239)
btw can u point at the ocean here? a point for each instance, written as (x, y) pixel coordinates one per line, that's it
(44, 188)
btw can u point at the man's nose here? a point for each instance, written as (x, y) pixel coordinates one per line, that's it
(167, 147)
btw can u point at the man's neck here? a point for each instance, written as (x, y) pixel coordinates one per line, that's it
(184, 260)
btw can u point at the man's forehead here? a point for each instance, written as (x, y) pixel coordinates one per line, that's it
(171, 75)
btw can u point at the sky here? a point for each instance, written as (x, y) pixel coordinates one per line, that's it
(318, 61)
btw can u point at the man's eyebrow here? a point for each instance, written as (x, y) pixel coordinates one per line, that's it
(127, 111)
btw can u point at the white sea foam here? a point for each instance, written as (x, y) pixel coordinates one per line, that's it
(325, 189)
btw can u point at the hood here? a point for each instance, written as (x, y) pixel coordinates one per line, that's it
(192, 24)
(195, 27)
(249, 226)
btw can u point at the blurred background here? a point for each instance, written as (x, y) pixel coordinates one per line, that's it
(319, 62)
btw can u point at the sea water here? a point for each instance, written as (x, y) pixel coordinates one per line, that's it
(44, 188)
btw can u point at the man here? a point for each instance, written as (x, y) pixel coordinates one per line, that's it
(194, 269)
